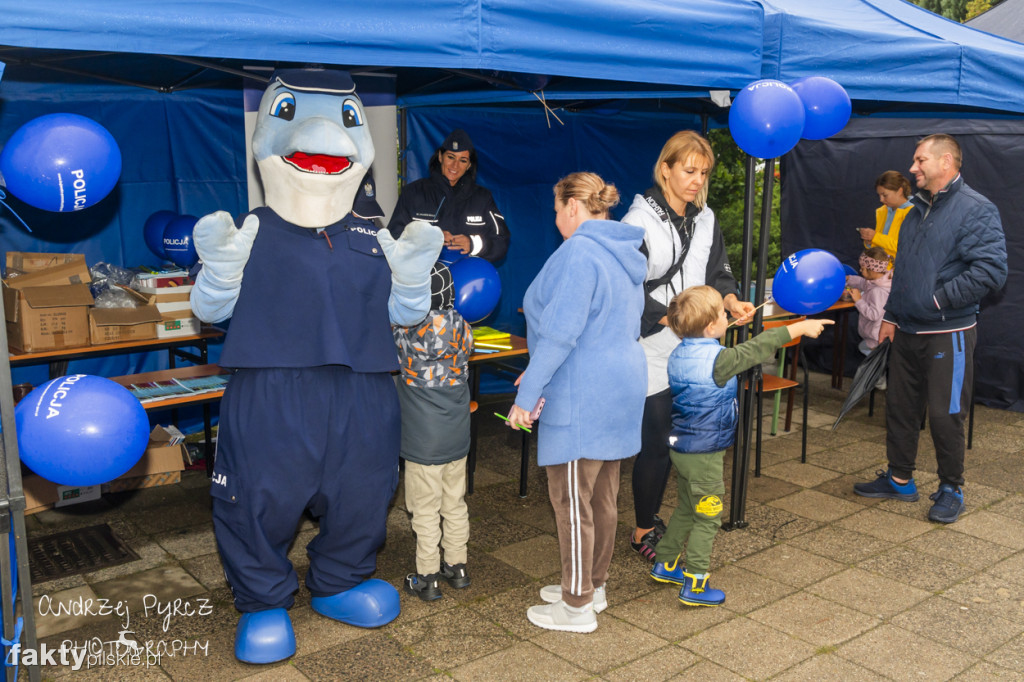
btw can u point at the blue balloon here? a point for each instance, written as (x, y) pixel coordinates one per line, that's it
(61, 162)
(153, 231)
(850, 270)
(179, 247)
(808, 282)
(477, 287)
(766, 119)
(81, 430)
(826, 105)
(449, 256)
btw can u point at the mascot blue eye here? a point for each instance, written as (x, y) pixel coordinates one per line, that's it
(283, 106)
(351, 114)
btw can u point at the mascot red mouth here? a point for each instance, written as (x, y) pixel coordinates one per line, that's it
(318, 163)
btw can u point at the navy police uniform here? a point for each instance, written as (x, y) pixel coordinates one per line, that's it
(310, 419)
(466, 209)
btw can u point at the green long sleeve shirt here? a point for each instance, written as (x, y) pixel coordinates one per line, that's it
(732, 361)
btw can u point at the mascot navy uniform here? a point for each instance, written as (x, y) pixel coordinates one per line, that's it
(310, 419)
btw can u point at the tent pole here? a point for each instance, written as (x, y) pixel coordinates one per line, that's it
(403, 140)
(12, 517)
(741, 449)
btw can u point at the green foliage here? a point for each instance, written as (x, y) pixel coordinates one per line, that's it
(976, 7)
(951, 9)
(726, 197)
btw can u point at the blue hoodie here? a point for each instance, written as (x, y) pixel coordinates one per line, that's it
(583, 323)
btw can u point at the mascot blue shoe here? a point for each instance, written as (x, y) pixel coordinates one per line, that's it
(367, 605)
(264, 637)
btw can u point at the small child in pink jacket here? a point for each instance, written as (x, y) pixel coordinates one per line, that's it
(870, 293)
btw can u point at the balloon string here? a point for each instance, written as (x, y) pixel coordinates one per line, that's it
(3, 195)
(753, 311)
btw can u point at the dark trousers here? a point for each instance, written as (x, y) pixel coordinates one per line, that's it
(584, 495)
(652, 465)
(933, 372)
(324, 439)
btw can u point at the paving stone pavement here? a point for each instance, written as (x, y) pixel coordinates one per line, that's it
(821, 584)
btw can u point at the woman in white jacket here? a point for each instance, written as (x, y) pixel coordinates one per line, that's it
(684, 247)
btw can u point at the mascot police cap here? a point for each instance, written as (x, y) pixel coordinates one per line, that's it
(312, 145)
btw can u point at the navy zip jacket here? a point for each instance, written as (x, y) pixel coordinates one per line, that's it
(466, 209)
(951, 253)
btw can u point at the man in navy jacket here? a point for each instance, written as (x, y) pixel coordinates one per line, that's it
(951, 253)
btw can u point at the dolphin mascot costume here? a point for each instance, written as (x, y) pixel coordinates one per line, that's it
(310, 419)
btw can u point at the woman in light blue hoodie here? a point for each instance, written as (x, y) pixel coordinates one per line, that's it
(586, 365)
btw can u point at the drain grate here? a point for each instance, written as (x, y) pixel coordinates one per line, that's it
(76, 551)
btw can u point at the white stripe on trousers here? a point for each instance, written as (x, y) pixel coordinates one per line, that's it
(575, 541)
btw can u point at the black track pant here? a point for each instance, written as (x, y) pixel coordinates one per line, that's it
(933, 372)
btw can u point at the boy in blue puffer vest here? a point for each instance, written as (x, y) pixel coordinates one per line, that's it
(702, 378)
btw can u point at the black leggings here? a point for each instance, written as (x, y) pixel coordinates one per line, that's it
(652, 465)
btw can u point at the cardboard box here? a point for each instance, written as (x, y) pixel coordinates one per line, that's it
(23, 263)
(45, 300)
(47, 317)
(170, 326)
(110, 325)
(161, 465)
(40, 494)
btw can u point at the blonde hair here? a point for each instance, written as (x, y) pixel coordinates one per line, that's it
(597, 196)
(679, 148)
(692, 310)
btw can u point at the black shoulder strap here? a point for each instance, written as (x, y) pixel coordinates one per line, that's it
(684, 240)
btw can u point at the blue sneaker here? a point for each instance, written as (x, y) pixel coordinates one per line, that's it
(665, 572)
(884, 486)
(695, 591)
(949, 503)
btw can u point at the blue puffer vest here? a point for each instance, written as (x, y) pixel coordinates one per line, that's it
(703, 414)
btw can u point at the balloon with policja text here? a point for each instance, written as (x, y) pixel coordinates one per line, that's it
(808, 282)
(827, 106)
(60, 162)
(81, 430)
(153, 231)
(477, 287)
(766, 119)
(179, 247)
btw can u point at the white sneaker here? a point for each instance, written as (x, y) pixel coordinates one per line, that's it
(561, 616)
(553, 593)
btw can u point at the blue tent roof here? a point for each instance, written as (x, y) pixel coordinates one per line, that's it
(882, 51)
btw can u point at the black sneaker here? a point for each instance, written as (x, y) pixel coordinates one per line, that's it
(884, 486)
(456, 575)
(647, 544)
(423, 586)
(949, 502)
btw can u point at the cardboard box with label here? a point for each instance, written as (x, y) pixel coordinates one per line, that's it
(46, 301)
(111, 325)
(162, 464)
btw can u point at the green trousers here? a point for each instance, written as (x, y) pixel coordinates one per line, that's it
(698, 516)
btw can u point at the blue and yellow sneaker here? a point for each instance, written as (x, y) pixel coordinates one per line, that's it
(695, 591)
(665, 572)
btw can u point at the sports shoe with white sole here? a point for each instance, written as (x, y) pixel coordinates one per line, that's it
(560, 616)
(553, 593)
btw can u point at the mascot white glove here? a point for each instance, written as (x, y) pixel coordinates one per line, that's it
(224, 251)
(411, 257)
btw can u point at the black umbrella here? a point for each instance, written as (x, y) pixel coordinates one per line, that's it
(871, 369)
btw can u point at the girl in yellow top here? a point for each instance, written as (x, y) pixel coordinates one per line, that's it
(894, 193)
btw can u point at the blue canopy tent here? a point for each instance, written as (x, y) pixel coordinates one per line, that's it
(622, 77)
(165, 76)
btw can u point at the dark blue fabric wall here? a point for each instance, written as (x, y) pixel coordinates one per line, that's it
(520, 159)
(182, 152)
